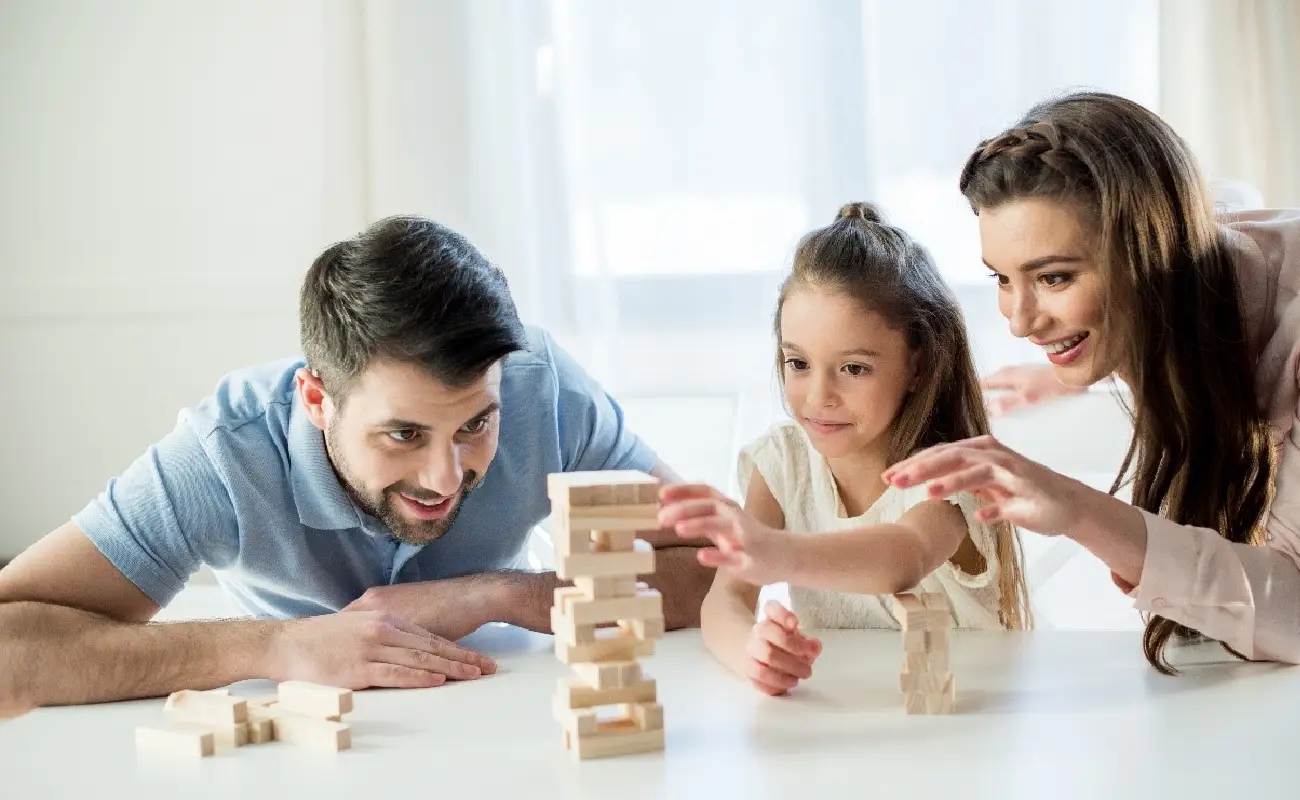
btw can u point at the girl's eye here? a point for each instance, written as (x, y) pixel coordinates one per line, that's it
(796, 364)
(857, 370)
(1053, 279)
(477, 426)
(1002, 280)
(405, 435)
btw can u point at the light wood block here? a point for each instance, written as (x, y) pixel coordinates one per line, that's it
(575, 694)
(213, 708)
(314, 699)
(640, 561)
(933, 661)
(648, 716)
(904, 604)
(924, 682)
(182, 739)
(576, 721)
(926, 620)
(606, 588)
(611, 518)
(318, 734)
(568, 542)
(565, 596)
(646, 628)
(619, 647)
(617, 739)
(260, 731)
(608, 674)
(563, 627)
(606, 541)
(918, 641)
(602, 487)
(647, 603)
(941, 702)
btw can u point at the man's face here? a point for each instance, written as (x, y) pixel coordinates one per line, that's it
(407, 448)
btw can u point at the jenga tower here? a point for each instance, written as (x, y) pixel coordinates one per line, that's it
(595, 517)
(927, 684)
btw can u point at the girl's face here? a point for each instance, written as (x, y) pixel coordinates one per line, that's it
(1050, 284)
(846, 371)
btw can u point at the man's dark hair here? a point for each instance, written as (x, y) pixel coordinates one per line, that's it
(407, 290)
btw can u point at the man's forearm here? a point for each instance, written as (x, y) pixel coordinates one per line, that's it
(53, 655)
(525, 598)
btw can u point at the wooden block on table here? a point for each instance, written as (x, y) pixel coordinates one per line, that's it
(905, 604)
(619, 738)
(643, 517)
(228, 737)
(639, 561)
(619, 647)
(646, 603)
(608, 674)
(314, 699)
(575, 694)
(940, 702)
(307, 731)
(602, 487)
(189, 705)
(182, 739)
(918, 641)
(934, 601)
(260, 731)
(595, 587)
(576, 721)
(926, 620)
(563, 627)
(935, 660)
(606, 541)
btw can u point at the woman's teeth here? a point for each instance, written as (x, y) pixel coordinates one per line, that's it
(1061, 347)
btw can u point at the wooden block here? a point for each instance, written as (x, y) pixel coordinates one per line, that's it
(648, 716)
(904, 604)
(306, 731)
(606, 588)
(940, 702)
(213, 708)
(264, 700)
(647, 603)
(925, 620)
(577, 721)
(613, 518)
(608, 674)
(620, 648)
(916, 703)
(564, 597)
(314, 699)
(917, 641)
(602, 487)
(640, 561)
(924, 682)
(618, 739)
(568, 542)
(182, 739)
(563, 627)
(614, 542)
(576, 694)
(260, 731)
(647, 628)
(934, 601)
(936, 660)
(228, 737)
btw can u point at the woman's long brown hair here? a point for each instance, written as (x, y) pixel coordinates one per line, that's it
(883, 270)
(1200, 453)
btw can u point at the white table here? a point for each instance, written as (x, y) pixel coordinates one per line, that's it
(1051, 715)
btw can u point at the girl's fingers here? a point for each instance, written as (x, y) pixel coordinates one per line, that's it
(719, 531)
(675, 492)
(971, 478)
(940, 464)
(676, 511)
(713, 557)
(782, 616)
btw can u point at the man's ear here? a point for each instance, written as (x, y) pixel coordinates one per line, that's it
(311, 391)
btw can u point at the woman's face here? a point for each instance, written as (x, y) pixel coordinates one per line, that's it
(1050, 284)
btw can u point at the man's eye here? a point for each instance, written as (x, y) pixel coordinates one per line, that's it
(405, 435)
(477, 426)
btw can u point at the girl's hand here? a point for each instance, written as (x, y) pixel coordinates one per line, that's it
(1009, 486)
(742, 545)
(778, 656)
(1023, 385)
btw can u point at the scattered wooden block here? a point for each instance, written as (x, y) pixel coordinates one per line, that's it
(180, 739)
(306, 731)
(214, 708)
(639, 561)
(260, 731)
(314, 699)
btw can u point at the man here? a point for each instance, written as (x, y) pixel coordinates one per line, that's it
(366, 507)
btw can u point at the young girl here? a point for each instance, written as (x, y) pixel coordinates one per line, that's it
(875, 365)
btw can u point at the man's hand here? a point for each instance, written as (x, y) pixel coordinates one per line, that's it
(360, 649)
(452, 608)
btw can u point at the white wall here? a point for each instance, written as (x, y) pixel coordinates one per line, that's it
(170, 170)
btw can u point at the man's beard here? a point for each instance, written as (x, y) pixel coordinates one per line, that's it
(381, 507)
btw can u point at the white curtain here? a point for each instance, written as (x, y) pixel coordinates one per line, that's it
(1230, 84)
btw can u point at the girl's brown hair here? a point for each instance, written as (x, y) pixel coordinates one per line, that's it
(884, 271)
(1173, 325)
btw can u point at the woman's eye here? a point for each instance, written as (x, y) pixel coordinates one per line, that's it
(796, 364)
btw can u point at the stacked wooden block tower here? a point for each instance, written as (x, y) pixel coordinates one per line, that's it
(606, 620)
(201, 722)
(927, 684)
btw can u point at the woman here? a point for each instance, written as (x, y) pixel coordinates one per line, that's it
(1102, 237)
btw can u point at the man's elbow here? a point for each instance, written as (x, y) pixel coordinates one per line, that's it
(15, 695)
(684, 592)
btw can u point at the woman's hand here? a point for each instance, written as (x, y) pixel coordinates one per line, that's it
(1009, 486)
(742, 545)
